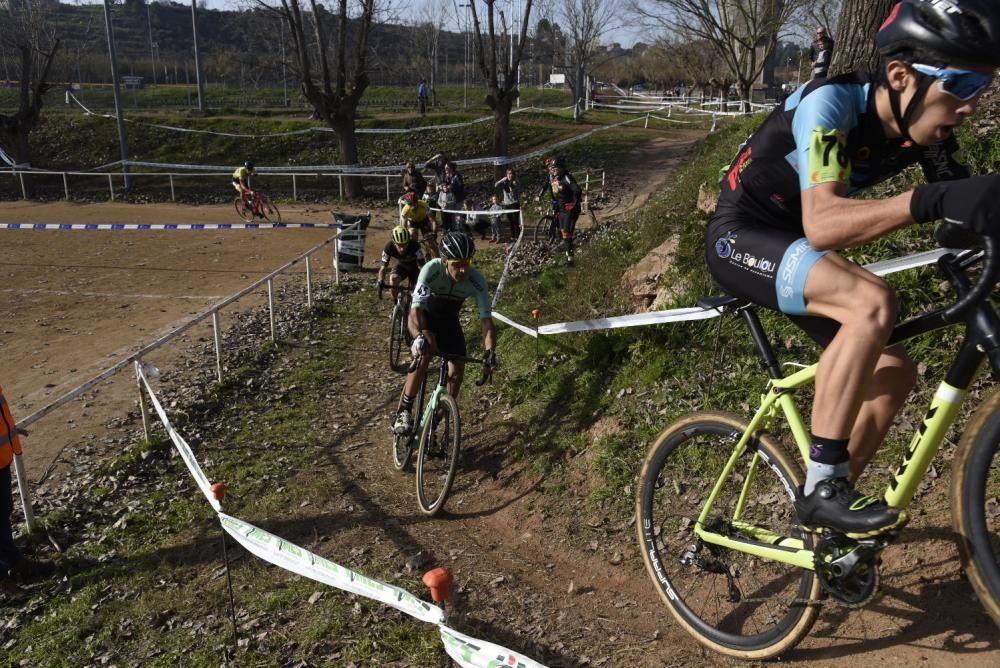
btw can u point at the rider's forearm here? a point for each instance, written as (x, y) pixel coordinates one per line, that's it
(835, 223)
(489, 334)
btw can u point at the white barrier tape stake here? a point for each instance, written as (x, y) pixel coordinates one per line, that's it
(182, 447)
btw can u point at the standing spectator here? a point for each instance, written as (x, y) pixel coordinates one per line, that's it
(414, 180)
(510, 198)
(821, 53)
(12, 565)
(422, 96)
(436, 164)
(495, 220)
(452, 194)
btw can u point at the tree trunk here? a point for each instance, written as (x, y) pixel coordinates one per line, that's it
(347, 144)
(501, 131)
(854, 46)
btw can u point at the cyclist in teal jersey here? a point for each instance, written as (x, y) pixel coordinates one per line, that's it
(442, 287)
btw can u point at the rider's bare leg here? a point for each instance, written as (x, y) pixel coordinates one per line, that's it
(456, 372)
(415, 377)
(893, 380)
(394, 281)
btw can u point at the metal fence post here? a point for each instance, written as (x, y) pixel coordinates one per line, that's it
(270, 306)
(24, 191)
(22, 490)
(309, 298)
(603, 173)
(142, 404)
(218, 344)
(586, 191)
(340, 185)
(388, 197)
(646, 124)
(65, 186)
(172, 198)
(295, 189)
(111, 187)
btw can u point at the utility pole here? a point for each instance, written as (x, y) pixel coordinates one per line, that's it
(197, 63)
(284, 82)
(152, 54)
(122, 138)
(465, 71)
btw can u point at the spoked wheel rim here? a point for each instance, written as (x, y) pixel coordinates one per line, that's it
(437, 456)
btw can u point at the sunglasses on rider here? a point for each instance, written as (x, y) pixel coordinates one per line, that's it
(460, 264)
(961, 84)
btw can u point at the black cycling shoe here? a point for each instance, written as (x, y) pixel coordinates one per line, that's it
(834, 504)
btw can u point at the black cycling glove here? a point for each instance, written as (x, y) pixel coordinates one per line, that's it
(970, 203)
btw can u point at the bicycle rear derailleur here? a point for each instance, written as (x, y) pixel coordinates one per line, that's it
(848, 569)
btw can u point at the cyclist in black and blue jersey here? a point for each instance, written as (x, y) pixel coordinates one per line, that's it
(409, 258)
(566, 201)
(784, 213)
(442, 287)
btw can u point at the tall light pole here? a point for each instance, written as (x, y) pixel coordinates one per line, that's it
(122, 138)
(152, 55)
(465, 73)
(197, 62)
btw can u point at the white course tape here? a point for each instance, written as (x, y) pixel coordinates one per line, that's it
(163, 226)
(506, 268)
(301, 561)
(468, 652)
(182, 447)
(883, 268)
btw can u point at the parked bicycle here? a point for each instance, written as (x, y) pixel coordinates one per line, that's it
(399, 334)
(259, 206)
(437, 438)
(714, 509)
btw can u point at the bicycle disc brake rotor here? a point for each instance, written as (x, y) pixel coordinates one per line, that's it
(848, 570)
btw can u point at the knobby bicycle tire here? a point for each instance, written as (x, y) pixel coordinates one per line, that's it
(269, 210)
(437, 456)
(975, 505)
(730, 601)
(403, 444)
(397, 341)
(245, 216)
(547, 231)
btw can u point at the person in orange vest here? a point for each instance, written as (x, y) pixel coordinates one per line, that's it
(12, 565)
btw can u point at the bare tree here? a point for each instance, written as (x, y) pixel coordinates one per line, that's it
(855, 47)
(586, 22)
(332, 65)
(498, 69)
(26, 32)
(742, 33)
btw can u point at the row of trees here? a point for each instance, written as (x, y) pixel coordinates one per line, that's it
(328, 48)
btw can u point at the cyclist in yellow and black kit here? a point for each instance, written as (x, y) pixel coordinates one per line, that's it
(241, 182)
(409, 259)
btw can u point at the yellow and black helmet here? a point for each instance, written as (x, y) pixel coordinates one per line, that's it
(400, 235)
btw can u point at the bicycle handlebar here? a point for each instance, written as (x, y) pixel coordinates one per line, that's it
(987, 279)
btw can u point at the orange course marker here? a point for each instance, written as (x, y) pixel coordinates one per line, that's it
(219, 491)
(536, 313)
(439, 580)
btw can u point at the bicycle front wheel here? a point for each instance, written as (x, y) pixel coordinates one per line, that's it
(975, 494)
(546, 231)
(730, 601)
(397, 341)
(437, 456)
(403, 444)
(245, 214)
(269, 210)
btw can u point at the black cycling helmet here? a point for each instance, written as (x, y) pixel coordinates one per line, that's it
(457, 246)
(248, 165)
(555, 162)
(954, 32)
(944, 32)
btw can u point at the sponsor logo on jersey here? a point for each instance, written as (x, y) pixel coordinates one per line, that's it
(741, 163)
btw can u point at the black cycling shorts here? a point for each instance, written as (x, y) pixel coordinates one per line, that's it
(744, 257)
(447, 333)
(567, 222)
(407, 271)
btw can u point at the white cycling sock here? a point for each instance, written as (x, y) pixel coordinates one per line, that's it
(817, 472)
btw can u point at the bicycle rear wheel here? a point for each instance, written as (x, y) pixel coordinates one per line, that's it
(437, 456)
(975, 494)
(269, 210)
(403, 444)
(730, 601)
(397, 341)
(245, 214)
